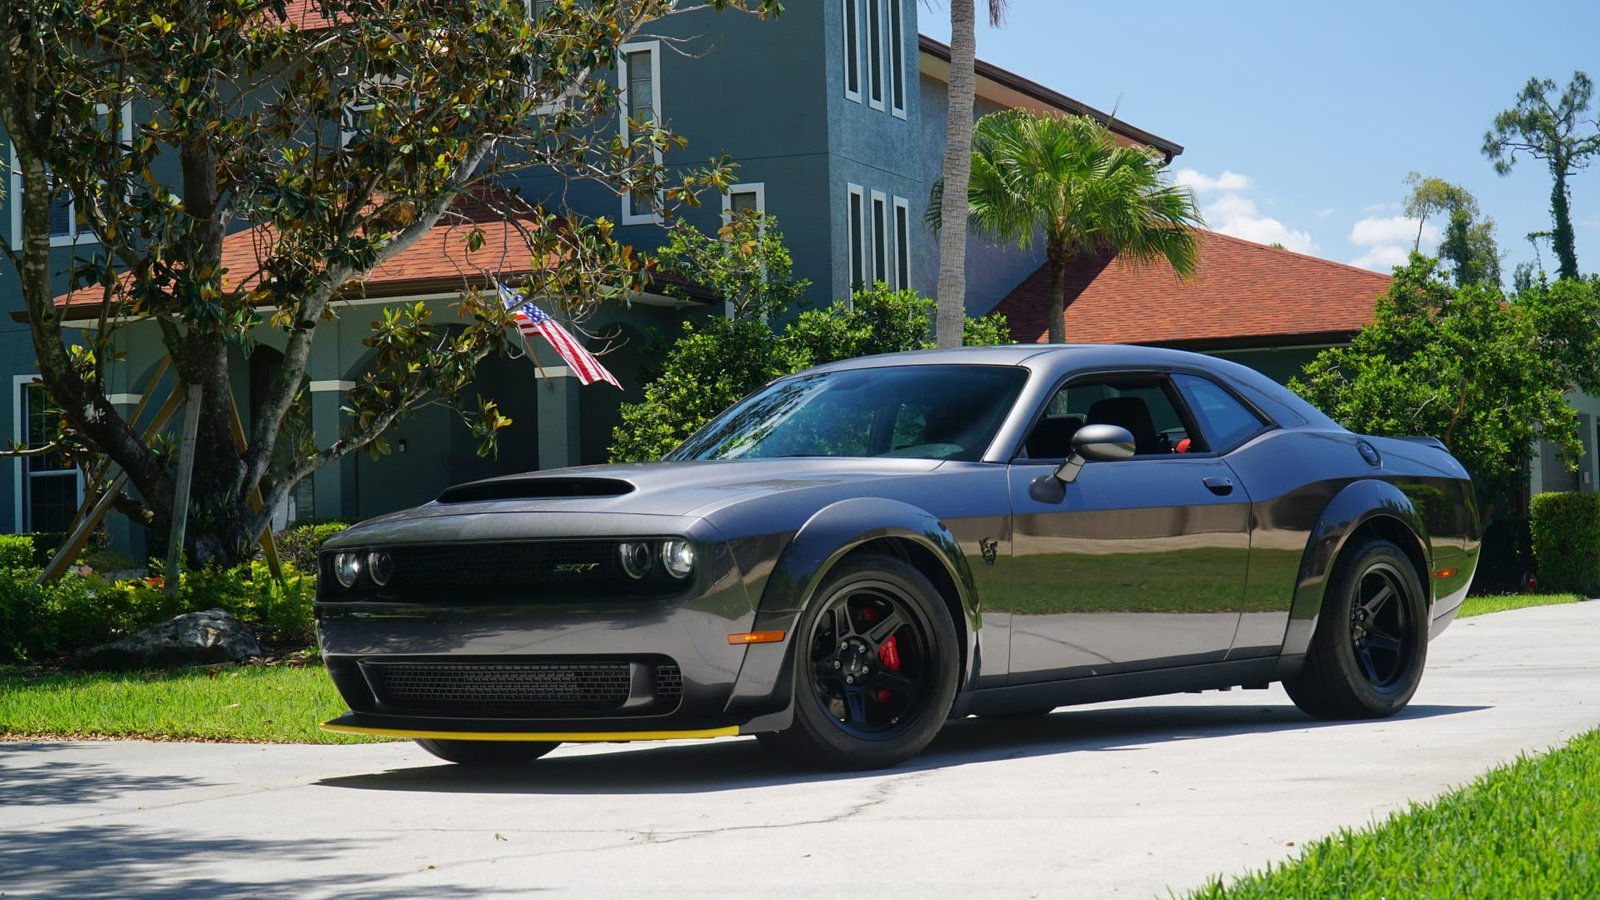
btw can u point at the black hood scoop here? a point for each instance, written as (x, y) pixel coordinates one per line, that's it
(535, 489)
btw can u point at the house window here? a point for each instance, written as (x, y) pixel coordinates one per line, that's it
(897, 66)
(858, 234)
(880, 237)
(875, 53)
(49, 488)
(639, 74)
(744, 198)
(355, 119)
(852, 50)
(69, 222)
(902, 243)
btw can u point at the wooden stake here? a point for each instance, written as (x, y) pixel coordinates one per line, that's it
(180, 497)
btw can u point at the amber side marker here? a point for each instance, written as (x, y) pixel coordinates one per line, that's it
(1445, 573)
(756, 637)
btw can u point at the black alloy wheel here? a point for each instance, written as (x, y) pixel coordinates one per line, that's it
(1367, 654)
(877, 670)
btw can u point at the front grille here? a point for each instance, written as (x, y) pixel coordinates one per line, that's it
(525, 689)
(515, 572)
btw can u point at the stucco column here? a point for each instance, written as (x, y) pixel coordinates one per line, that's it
(558, 418)
(334, 484)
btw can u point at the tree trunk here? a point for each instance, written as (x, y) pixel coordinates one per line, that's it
(1561, 238)
(952, 292)
(1058, 299)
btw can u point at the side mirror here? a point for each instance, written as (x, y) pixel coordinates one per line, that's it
(1103, 443)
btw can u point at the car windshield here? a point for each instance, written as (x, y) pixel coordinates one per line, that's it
(916, 412)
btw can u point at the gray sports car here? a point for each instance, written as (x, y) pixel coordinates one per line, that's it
(855, 554)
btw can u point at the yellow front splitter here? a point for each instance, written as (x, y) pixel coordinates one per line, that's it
(564, 737)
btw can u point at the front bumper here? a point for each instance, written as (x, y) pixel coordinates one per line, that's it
(529, 666)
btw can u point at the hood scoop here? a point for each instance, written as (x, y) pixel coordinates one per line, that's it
(535, 489)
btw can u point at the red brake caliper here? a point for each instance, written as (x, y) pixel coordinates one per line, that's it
(888, 654)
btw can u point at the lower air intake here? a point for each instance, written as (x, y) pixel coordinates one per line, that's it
(500, 689)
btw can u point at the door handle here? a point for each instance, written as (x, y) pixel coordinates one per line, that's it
(1218, 485)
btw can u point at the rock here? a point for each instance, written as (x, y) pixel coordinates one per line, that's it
(192, 639)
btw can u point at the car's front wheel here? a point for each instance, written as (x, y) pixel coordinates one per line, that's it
(487, 753)
(1366, 656)
(877, 668)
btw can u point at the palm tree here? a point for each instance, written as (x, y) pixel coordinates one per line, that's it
(1068, 180)
(952, 290)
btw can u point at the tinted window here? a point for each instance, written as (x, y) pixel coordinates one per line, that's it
(921, 412)
(1144, 405)
(1223, 418)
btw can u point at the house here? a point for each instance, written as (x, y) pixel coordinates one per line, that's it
(835, 114)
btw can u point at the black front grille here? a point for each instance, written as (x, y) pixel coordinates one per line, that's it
(572, 687)
(519, 572)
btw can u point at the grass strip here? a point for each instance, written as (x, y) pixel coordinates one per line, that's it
(1525, 829)
(277, 704)
(1477, 606)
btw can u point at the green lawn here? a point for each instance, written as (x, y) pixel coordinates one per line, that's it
(251, 703)
(1528, 829)
(1477, 606)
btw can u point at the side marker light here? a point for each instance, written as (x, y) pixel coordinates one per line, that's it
(756, 637)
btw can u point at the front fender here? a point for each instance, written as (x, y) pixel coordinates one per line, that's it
(764, 689)
(1355, 505)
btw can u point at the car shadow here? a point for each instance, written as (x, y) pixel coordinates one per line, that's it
(734, 764)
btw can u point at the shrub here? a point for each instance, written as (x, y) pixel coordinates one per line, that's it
(298, 546)
(1566, 542)
(16, 551)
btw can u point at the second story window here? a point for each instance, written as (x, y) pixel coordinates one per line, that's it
(875, 53)
(69, 220)
(902, 243)
(852, 50)
(857, 236)
(880, 237)
(897, 67)
(742, 198)
(639, 74)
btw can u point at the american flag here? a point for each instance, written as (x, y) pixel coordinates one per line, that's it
(532, 320)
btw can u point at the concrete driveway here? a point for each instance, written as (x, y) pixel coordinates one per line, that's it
(1125, 799)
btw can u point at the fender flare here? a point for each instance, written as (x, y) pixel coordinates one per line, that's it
(766, 679)
(1355, 505)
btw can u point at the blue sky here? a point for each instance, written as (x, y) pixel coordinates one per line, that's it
(1299, 120)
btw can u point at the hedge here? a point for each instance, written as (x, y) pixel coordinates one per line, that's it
(16, 551)
(1566, 542)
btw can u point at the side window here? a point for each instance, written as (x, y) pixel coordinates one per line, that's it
(1144, 405)
(1226, 421)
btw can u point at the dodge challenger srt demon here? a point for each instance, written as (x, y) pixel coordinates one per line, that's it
(857, 553)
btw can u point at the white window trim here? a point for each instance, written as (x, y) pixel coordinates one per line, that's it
(896, 35)
(59, 240)
(901, 204)
(379, 80)
(19, 384)
(874, 44)
(624, 108)
(878, 225)
(758, 188)
(857, 192)
(850, 9)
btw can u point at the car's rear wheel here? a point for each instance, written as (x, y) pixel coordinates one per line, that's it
(877, 668)
(487, 753)
(1366, 656)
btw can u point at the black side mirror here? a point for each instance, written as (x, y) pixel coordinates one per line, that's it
(1103, 443)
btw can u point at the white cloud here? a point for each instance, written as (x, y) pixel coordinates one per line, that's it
(1235, 214)
(1206, 184)
(1388, 240)
(1324, 213)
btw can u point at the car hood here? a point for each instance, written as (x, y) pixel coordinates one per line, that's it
(680, 489)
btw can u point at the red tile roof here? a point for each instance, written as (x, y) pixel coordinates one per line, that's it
(1243, 294)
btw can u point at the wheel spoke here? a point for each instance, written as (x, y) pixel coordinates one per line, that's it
(855, 700)
(1382, 640)
(1368, 667)
(839, 617)
(1378, 601)
(893, 682)
(880, 631)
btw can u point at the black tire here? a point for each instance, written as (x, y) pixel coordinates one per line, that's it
(487, 753)
(1366, 656)
(887, 713)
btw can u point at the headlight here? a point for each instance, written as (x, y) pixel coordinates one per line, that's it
(347, 568)
(635, 558)
(677, 557)
(380, 566)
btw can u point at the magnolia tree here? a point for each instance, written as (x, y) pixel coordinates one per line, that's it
(250, 102)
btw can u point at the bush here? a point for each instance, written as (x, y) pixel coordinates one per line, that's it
(1566, 542)
(16, 551)
(298, 546)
